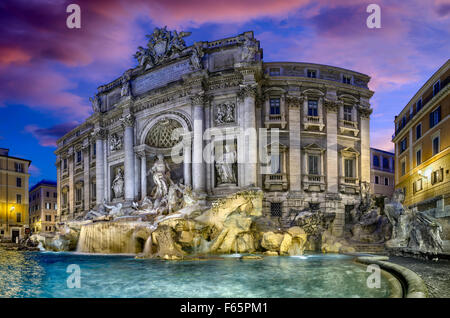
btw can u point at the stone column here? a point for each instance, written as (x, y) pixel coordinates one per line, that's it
(58, 183)
(137, 175)
(295, 175)
(332, 146)
(198, 165)
(143, 175)
(187, 158)
(86, 176)
(99, 135)
(128, 137)
(71, 196)
(365, 143)
(247, 94)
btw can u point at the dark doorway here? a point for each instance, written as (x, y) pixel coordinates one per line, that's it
(14, 235)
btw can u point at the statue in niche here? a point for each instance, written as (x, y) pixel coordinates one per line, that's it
(225, 113)
(118, 183)
(96, 103)
(115, 143)
(249, 49)
(225, 166)
(161, 177)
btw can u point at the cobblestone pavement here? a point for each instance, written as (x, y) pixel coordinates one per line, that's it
(435, 274)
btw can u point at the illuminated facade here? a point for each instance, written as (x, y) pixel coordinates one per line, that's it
(43, 206)
(214, 91)
(13, 196)
(422, 146)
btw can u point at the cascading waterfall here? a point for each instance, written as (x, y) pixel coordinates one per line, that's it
(148, 247)
(108, 237)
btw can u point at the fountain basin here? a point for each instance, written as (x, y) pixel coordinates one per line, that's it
(314, 275)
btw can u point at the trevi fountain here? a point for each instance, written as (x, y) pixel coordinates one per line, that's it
(138, 224)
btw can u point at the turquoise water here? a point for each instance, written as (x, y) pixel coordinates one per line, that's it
(35, 274)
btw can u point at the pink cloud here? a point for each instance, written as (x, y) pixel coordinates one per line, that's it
(35, 171)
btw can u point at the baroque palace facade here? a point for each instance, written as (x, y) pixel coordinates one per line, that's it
(181, 100)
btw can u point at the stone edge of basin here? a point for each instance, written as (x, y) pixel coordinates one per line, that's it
(415, 287)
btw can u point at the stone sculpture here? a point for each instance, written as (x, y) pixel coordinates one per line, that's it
(118, 183)
(225, 113)
(196, 57)
(225, 166)
(249, 49)
(161, 177)
(115, 142)
(126, 86)
(96, 103)
(162, 45)
(413, 230)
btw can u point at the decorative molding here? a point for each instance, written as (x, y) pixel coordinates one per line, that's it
(294, 101)
(331, 106)
(99, 133)
(127, 120)
(365, 112)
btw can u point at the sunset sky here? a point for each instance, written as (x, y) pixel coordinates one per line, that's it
(48, 72)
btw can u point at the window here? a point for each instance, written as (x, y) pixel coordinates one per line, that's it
(418, 131)
(348, 113)
(19, 182)
(311, 73)
(47, 194)
(274, 106)
(436, 87)
(48, 218)
(275, 208)
(403, 167)
(436, 145)
(419, 105)
(386, 181)
(18, 217)
(54, 194)
(313, 165)
(54, 206)
(403, 145)
(65, 164)
(275, 163)
(274, 72)
(348, 163)
(313, 109)
(94, 190)
(377, 180)
(385, 163)
(18, 198)
(47, 205)
(435, 117)
(79, 194)
(418, 157)
(376, 161)
(94, 150)
(417, 185)
(18, 167)
(64, 199)
(437, 176)
(346, 79)
(78, 156)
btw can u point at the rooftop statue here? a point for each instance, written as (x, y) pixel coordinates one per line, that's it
(162, 45)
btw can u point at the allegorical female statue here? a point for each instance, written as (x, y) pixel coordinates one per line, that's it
(118, 183)
(224, 166)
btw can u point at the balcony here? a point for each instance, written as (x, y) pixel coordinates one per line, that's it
(313, 121)
(348, 126)
(349, 185)
(275, 120)
(276, 182)
(314, 183)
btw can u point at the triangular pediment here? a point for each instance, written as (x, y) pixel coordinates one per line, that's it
(313, 147)
(349, 151)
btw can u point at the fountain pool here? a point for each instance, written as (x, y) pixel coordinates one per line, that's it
(44, 274)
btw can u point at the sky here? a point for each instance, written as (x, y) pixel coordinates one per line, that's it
(48, 71)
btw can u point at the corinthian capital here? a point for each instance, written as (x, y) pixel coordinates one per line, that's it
(294, 101)
(99, 133)
(365, 112)
(127, 120)
(247, 90)
(198, 99)
(332, 106)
